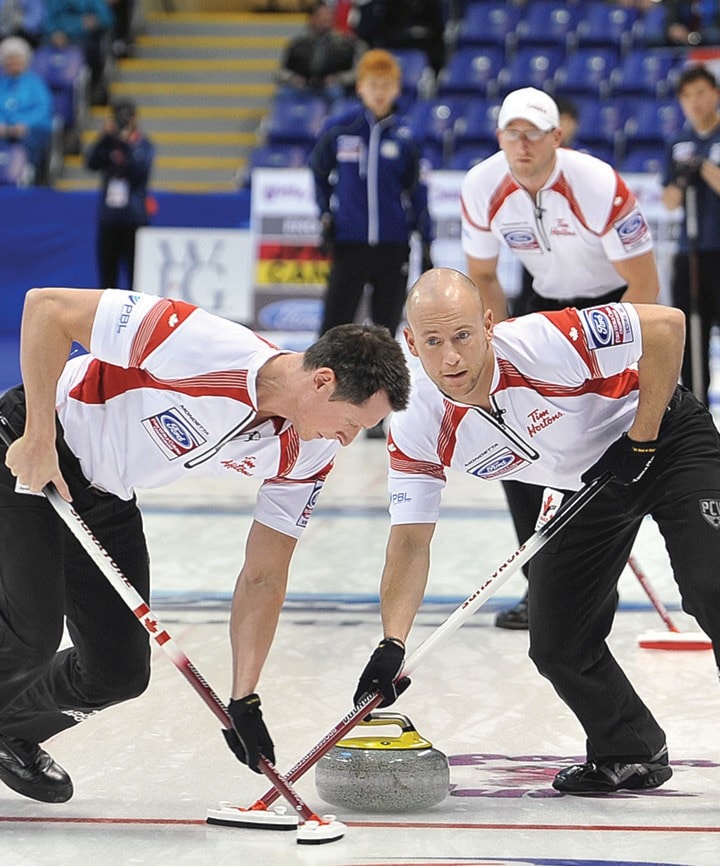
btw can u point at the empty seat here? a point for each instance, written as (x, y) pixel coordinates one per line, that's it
(65, 73)
(586, 72)
(471, 71)
(294, 120)
(605, 152)
(606, 25)
(653, 122)
(645, 72)
(417, 75)
(548, 23)
(601, 122)
(431, 122)
(489, 23)
(649, 29)
(477, 125)
(644, 158)
(530, 67)
(466, 157)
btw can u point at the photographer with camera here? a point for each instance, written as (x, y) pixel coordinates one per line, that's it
(692, 179)
(124, 155)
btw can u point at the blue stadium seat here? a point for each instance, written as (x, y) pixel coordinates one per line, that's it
(530, 67)
(549, 23)
(294, 120)
(471, 71)
(278, 156)
(644, 158)
(469, 155)
(645, 72)
(586, 72)
(653, 122)
(15, 169)
(650, 27)
(606, 25)
(432, 121)
(432, 155)
(489, 23)
(605, 152)
(601, 122)
(477, 125)
(417, 75)
(65, 73)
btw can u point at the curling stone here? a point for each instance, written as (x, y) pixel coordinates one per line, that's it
(384, 774)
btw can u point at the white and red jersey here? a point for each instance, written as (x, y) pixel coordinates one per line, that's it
(169, 391)
(564, 387)
(583, 219)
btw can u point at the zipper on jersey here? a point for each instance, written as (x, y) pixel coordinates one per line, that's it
(539, 225)
(235, 433)
(495, 417)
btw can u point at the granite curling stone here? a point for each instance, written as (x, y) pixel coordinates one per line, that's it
(384, 774)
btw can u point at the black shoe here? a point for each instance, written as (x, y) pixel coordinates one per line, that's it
(607, 777)
(514, 617)
(376, 432)
(30, 771)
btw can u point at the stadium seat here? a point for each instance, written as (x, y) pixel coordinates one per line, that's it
(649, 28)
(548, 23)
(606, 25)
(15, 169)
(65, 73)
(432, 155)
(293, 121)
(477, 125)
(469, 155)
(471, 71)
(489, 23)
(417, 75)
(653, 122)
(586, 72)
(645, 72)
(278, 156)
(646, 159)
(432, 122)
(530, 67)
(605, 152)
(601, 122)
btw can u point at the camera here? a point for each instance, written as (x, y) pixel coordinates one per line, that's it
(123, 115)
(687, 170)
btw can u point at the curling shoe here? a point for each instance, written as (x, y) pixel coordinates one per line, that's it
(606, 777)
(30, 771)
(514, 617)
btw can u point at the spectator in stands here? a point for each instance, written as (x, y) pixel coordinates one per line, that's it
(692, 22)
(321, 61)
(24, 18)
(371, 196)
(408, 24)
(124, 155)
(85, 23)
(25, 104)
(693, 158)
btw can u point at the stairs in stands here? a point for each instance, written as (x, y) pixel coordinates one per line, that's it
(202, 84)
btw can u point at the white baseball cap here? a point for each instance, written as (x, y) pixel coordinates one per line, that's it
(532, 105)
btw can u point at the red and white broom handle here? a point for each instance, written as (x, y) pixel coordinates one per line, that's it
(154, 627)
(651, 594)
(462, 613)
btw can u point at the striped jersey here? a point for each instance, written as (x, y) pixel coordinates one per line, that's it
(583, 219)
(168, 391)
(564, 387)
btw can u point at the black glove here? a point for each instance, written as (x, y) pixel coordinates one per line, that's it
(625, 459)
(687, 171)
(249, 738)
(427, 262)
(327, 233)
(384, 665)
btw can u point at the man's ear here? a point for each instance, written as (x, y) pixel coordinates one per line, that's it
(410, 340)
(324, 377)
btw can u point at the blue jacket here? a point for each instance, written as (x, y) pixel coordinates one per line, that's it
(367, 174)
(25, 98)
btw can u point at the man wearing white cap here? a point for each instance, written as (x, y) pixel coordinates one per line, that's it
(572, 222)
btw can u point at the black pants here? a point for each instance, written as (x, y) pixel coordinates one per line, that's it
(384, 267)
(115, 248)
(708, 308)
(45, 576)
(574, 581)
(524, 500)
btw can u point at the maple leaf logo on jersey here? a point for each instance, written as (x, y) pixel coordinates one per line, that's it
(573, 334)
(173, 320)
